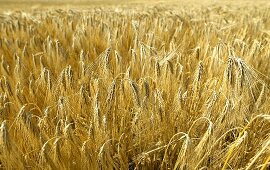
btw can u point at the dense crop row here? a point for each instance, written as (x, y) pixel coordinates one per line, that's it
(135, 87)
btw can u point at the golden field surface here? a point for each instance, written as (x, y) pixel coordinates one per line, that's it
(133, 85)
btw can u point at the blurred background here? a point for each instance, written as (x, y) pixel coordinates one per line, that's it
(6, 5)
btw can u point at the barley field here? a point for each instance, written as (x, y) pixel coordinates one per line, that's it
(135, 85)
